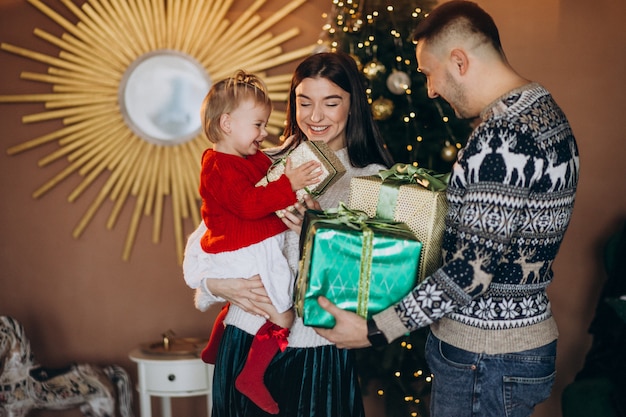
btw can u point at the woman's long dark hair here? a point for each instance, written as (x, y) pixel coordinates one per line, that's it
(363, 139)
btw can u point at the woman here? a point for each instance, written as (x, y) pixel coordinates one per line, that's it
(311, 377)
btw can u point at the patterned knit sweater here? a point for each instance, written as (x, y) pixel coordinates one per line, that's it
(510, 196)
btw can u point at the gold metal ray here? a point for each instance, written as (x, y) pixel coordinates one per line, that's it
(98, 139)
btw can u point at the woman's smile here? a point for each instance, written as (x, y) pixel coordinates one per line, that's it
(323, 109)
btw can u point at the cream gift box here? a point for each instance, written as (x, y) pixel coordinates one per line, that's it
(410, 195)
(331, 167)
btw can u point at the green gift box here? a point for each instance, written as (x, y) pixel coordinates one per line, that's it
(408, 194)
(360, 264)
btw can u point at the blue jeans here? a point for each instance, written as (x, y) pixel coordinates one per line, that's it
(468, 384)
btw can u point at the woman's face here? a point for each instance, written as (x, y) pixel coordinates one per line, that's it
(322, 109)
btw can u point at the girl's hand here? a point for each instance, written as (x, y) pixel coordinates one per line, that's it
(303, 175)
(247, 294)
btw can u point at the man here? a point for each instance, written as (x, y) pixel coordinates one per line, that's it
(492, 343)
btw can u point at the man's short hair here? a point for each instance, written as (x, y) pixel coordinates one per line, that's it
(458, 16)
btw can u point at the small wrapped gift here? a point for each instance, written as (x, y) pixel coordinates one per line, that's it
(331, 166)
(411, 195)
(360, 264)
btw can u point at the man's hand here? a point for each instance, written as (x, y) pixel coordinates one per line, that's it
(350, 330)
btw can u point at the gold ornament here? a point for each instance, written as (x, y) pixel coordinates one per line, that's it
(382, 108)
(373, 69)
(448, 153)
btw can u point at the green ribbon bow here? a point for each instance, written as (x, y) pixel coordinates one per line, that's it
(427, 178)
(401, 174)
(358, 220)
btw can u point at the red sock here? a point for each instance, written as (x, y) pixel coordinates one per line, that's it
(266, 343)
(209, 353)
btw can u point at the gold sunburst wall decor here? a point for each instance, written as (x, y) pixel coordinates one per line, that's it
(127, 85)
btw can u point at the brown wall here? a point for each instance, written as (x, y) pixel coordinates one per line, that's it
(80, 302)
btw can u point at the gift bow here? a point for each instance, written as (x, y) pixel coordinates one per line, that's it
(359, 220)
(427, 178)
(402, 174)
(278, 333)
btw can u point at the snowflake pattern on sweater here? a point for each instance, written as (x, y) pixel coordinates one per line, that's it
(511, 196)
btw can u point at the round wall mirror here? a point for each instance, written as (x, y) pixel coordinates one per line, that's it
(127, 92)
(160, 96)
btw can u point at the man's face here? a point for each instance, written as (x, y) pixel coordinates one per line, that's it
(443, 79)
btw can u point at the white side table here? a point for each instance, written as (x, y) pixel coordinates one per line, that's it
(168, 376)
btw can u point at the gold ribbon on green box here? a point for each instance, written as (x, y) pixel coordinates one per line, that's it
(362, 265)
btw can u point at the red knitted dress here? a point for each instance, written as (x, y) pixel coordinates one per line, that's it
(244, 236)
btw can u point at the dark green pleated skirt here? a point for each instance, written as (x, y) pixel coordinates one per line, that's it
(305, 382)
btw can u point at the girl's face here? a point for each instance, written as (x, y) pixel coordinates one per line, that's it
(322, 109)
(243, 129)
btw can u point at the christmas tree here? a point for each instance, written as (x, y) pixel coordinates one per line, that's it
(377, 34)
(417, 130)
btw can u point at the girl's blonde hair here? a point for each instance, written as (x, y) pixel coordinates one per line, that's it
(226, 95)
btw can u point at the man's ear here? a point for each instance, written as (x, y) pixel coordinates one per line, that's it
(459, 60)
(225, 122)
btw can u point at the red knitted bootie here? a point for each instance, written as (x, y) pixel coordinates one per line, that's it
(266, 343)
(209, 353)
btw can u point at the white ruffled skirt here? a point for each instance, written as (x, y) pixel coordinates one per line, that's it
(266, 258)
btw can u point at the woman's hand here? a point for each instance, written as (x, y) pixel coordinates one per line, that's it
(247, 294)
(294, 220)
